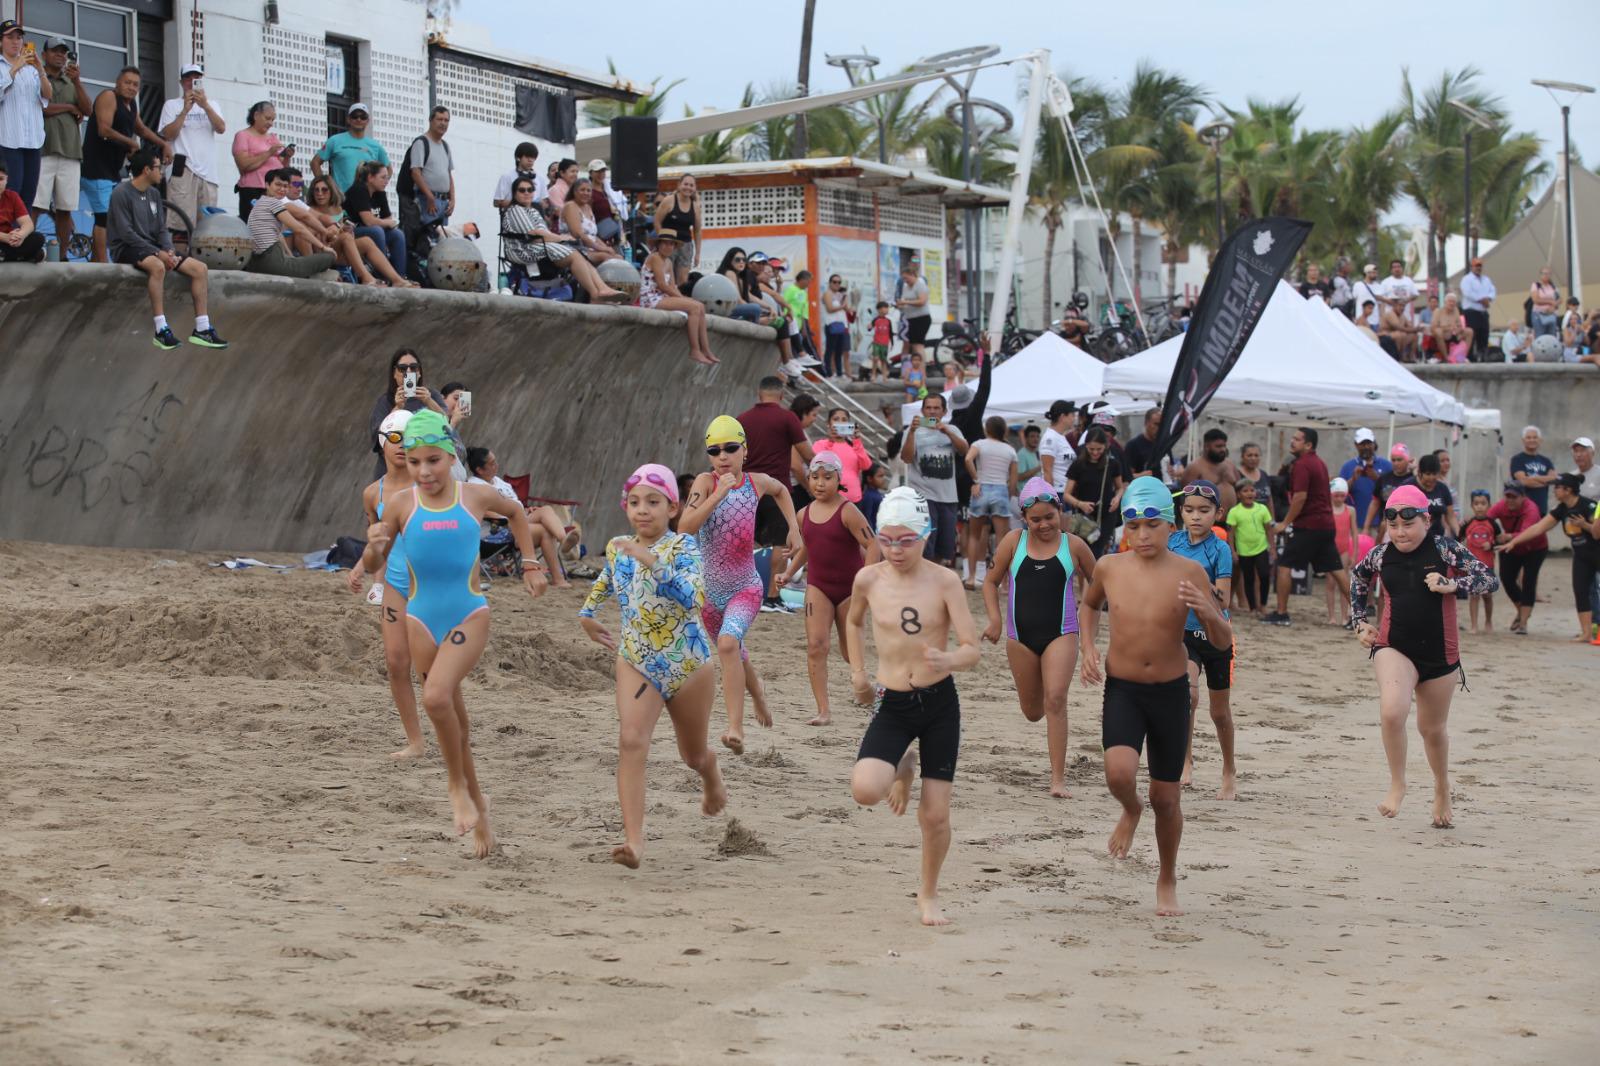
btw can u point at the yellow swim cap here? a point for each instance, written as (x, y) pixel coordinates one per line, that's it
(724, 429)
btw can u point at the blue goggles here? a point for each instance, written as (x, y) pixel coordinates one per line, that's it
(1131, 514)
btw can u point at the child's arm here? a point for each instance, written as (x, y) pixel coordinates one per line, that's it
(599, 592)
(369, 508)
(381, 534)
(1088, 627)
(856, 523)
(967, 651)
(1003, 554)
(1472, 577)
(704, 495)
(1203, 602)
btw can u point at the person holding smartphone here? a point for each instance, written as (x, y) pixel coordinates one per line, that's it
(24, 94)
(403, 391)
(845, 442)
(931, 451)
(191, 125)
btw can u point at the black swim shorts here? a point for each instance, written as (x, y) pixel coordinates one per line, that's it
(1135, 710)
(1216, 662)
(1316, 550)
(930, 715)
(772, 529)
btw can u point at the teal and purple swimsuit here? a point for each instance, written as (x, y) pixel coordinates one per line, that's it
(1047, 609)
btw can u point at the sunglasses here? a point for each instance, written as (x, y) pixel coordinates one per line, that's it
(723, 449)
(357, 117)
(1133, 514)
(635, 480)
(394, 436)
(408, 366)
(297, 184)
(1200, 490)
(908, 541)
(1044, 497)
(432, 440)
(1404, 514)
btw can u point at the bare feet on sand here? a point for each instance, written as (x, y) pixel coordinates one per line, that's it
(900, 791)
(1058, 789)
(1442, 818)
(1391, 803)
(821, 719)
(1167, 898)
(1122, 836)
(931, 914)
(716, 794)
(410, 751)
(758, 705)
(734, 742)
(627, 855)
(483, 842)
(1230, 786)
(466, 812)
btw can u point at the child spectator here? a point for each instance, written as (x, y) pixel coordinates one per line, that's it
(873, 485)
(1252, 547)
(916, 380)
(882, 334)
(19, 241)
(1479, 533)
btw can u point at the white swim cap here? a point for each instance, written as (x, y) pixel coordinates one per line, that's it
(1339, 484)
(394, 422)
(904, 506)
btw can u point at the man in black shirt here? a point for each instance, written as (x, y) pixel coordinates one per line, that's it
(1138, 451)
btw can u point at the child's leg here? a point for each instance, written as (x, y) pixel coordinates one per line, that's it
(1397, 680)
(1122, 781)
(638, 710)
(874, 780)
(1433, 712)
(1056, 667)
(397, 664)
(819, 633)
(1333, 615)
(1472, 610)
(933, 815)
(1164, 800)
(691, 721)
(731, 654)
(1222, 719)
(442, 668)
(841, 615)
(1488, 612)
(1248, 584)
(1194, 712)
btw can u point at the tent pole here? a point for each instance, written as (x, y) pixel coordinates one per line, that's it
(1391, 431)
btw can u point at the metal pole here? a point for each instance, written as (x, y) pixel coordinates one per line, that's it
(1019, 195)
(1566, 180)
(883, 154)
(1466, 198)
(1216, 153)
(969, 228)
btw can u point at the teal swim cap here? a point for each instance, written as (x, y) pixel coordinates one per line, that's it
(1145, 497)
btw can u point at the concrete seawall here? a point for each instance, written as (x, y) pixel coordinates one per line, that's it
(107, 440)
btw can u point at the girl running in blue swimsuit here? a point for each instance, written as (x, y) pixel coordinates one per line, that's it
(661, 661)
(447, 617)
(394, 583)
(1041, 616)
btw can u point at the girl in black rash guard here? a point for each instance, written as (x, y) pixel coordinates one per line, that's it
(1414, 643)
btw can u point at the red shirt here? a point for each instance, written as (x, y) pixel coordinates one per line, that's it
(881, 331)
(1478, 535)
(1310, 476)
(11, 209)
(770, 431)
(1515, 522)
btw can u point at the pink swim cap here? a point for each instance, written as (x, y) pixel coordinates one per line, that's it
(1407, 496)
(1038, 488)
(655, 476)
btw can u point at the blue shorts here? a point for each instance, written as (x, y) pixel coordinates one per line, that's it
(95, 194)
(990, 501)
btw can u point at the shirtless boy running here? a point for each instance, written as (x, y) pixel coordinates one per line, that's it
(914, 605)
(1151, 592)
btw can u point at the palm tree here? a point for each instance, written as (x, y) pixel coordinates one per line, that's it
(650, 105)
(1369, 169)
(705, 150)
(801, 140)
(1172, 196)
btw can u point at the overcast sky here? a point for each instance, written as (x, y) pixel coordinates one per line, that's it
(1342, 60)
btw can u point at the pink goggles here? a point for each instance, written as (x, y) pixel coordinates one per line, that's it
(657, 477)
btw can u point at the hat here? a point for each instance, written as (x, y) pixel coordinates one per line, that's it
(394, 423)
(1583, 442)
(961, 397)
(1571, 482)
(363, 108)
(667, 234)
(1399, 451)
(1407, 496)
(1513, 485)
(1339, 484)
(904, 506)
(725, 429)
(755, 257)
(653, 476)
(190, 68)
(10, 26)
(597, 164)
(1373, 267)
(53, 43)
(428, 424)
(1365, 435)
(1105, 418)
(826, 461)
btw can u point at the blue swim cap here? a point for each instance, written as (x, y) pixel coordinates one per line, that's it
(1146, 497)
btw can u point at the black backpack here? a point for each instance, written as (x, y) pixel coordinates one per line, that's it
(407, 186)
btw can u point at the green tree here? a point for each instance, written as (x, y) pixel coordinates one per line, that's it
(650, 105)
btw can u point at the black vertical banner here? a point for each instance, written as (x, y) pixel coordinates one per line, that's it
(1236, 291)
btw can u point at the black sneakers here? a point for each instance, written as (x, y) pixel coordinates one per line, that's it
(205, 338)
(1276, 618)
(165, 339)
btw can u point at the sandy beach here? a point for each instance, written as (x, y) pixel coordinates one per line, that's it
(208, 857)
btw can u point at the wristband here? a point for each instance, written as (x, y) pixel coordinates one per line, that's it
(532, 564)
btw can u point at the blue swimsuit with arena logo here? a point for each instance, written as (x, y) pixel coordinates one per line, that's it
(395, 574)
(441, 553)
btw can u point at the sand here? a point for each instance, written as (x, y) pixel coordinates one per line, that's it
(208, 858)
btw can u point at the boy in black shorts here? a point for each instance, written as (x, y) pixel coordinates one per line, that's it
(1146, 675)
(1198, 540)
(914, 604)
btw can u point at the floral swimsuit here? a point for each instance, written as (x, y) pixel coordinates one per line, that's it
(662, 634)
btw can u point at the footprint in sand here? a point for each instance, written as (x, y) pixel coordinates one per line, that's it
(1178, 938)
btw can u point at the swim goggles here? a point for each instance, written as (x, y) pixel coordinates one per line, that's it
(670, 491)
(1404, 514)
(1205, 491)
(1044, 497)
(731, 448)
(435, 440)
(394, 436)
(907, 541)
(1133, 514)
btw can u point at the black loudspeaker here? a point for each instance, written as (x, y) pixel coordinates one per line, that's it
(633, 154)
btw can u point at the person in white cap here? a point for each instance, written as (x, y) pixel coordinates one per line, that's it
(191, 125)
(343, 153)
(1583, 457)
(1363, 472)
(392, 586)
(915, 604)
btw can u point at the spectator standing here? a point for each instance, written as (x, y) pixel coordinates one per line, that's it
(1056, 452)
(1028, 453)
(524, 165)
(835, 330)
(796, 296)
(1544, 297)
(911, 300)
(19, 241)
(772, 435)
(1534, 472)
(428, 180)
(1094, 487)
(24, 94)
(1399, 291)
(1313, 545)
(932, 449)
(1343, 295)
(138, 236)
(1477, 293)
(112, 133)
(566, 172)
(191, 125)
(393, 396)
(681, 212)
(1519, 566)
(1571, 331)
(257, 152)
(1579, 518)
(1363, 474)
(1314, 285)
(61, 159)
(366, 202)
(1213, 465)
(1585, 468)
(1367, 290)
(1140, 450)
(343, 154)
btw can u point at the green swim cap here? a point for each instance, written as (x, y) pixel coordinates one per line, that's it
(428, 429)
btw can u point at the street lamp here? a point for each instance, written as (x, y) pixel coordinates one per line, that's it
(1213, 135)
(855, 66)
(1474, 118)
(964, 57)
(1553, 87)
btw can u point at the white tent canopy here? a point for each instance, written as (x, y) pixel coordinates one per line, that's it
(1025, 385)
(1305, 363)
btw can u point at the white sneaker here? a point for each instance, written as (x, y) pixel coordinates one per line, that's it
(808, 361)
(793, 370)
(375, 594)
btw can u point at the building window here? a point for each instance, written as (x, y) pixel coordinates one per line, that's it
(781, 205)
(844, 207)
(102, 36)
(344, 82)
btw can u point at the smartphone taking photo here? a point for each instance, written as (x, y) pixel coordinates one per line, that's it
(464, 402)
(410, 382)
